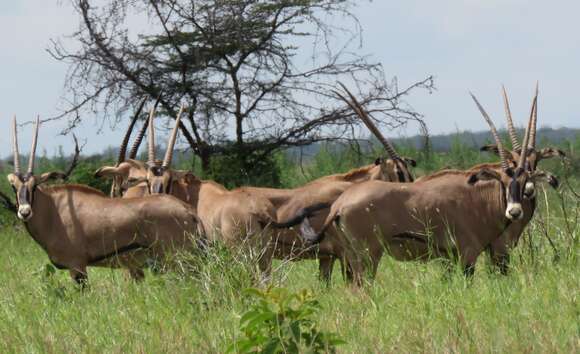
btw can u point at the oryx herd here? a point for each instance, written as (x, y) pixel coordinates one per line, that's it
(354, 217)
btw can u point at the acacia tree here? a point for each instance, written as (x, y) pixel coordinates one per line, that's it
(239, 65)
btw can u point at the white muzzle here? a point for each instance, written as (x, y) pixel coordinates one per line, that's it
(514, 211)
(24, 212)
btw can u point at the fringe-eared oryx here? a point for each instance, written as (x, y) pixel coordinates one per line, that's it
(448, 214)
(500, 248)
(78, 226)
(325, 190)
(235, 217)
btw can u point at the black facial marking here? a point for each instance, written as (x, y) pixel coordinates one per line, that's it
(23, 195)
(515, 191)
(402, 171)
(400, 174)
(157, 170)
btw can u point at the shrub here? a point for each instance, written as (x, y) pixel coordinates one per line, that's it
(281, 322)
(241, 168)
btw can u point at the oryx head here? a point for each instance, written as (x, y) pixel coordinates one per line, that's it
(157, 175)
(119, 184)
(533, 156)
(24, 184)
(513, 179)
(395, 168)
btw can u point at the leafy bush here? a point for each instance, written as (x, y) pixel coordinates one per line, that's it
(281, 322)
(241, 168)
(84, 173)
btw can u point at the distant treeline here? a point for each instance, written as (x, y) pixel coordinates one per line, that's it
(298, 166)
(446, 142)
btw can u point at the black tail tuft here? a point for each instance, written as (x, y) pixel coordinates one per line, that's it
(301, 215)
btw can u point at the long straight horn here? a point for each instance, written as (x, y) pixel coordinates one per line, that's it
(123, 148)
(15, 146)
(524, 153)
(510, 122)
(502, 154)
(172, 139)
(33, 148)
(139, 139)
(356, 106)
(532, 143)
(151, 140)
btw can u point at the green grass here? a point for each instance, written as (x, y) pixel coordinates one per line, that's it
(411, 307)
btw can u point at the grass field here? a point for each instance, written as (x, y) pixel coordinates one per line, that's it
(412, 307)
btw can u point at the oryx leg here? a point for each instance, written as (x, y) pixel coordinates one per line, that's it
(326, 265)
(346, 270)
(469, 270)
(80, 276)
(136, 273)
(499, 255)
(375, 259)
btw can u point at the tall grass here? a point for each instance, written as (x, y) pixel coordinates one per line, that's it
(411, 307)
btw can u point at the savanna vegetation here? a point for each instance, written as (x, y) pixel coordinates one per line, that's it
(203, 303)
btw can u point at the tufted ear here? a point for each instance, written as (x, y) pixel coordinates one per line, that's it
(111, 172)
(116, 171)
(491, 148)
(48, 176)
(410, 161)
(483, 175)
(543, 176)
(185, 176)
(547, 153)
(11, 178)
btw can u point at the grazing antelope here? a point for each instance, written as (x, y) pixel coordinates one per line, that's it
(78, 226)
(448, 214)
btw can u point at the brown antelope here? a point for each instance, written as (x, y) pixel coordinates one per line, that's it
(78, 226)
(500, 248)
(213, 202)
(117, 186)
(325, 190)
(231, 216)
(448, 214)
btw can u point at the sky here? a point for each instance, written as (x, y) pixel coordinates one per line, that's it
(470, 45)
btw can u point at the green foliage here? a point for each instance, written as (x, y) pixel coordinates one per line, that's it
(282, 322)
(84, 173)
(242, 167)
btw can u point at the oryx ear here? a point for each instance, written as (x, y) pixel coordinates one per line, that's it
(410, 161)
(11, 178)
(185, 176)
(111, 172)
(379, 161)
(492, 148)
(48, 176)
(542, 176)
(547, 153)
(483, 175)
